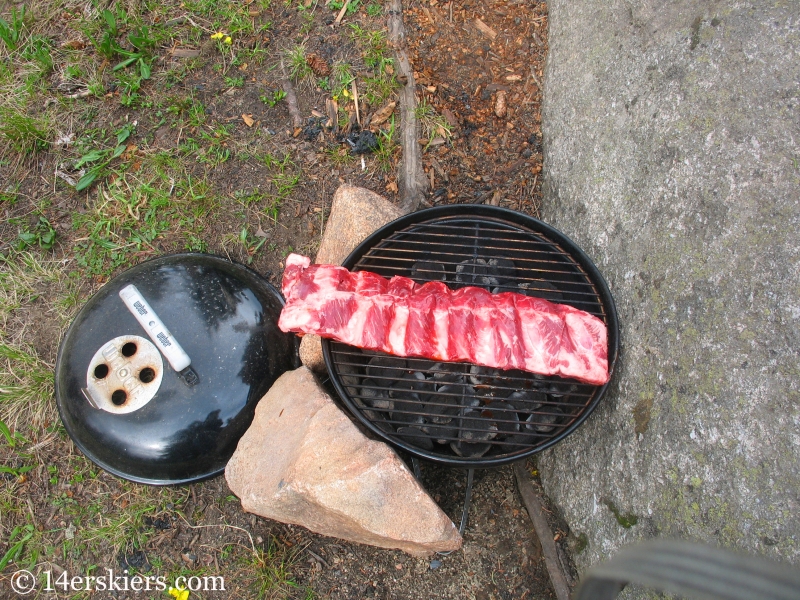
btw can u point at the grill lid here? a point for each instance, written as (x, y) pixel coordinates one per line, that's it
(458, 413)
(158, 376)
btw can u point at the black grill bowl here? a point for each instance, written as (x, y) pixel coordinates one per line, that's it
(456, 413)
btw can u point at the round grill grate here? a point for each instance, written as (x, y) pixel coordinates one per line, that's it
(458, 413)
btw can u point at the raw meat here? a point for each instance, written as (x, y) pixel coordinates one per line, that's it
(401, 317)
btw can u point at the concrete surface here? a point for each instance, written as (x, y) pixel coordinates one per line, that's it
(671, 136)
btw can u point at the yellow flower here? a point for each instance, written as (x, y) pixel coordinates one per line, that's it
(228, 40)
(179, 593)
(216, 36)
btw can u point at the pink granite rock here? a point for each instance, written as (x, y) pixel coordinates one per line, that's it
(355, 214)
(304, 462)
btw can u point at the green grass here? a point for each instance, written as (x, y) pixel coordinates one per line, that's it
(340, 78)
(352, 8)
(374, 47)
(273, 98)
(26, 382)
(142, 190)
(23, 133)
(42, 235)
(272, 571)
(11, 32)
(387, 147)
(432, 123)
(297, 62)
(128, 215)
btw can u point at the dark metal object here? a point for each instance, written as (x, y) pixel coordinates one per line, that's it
(467, 494)
(225, 317)
(456, 413)
(691, 570)
(467, 500)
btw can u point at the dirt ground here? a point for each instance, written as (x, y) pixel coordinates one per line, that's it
(202, 155)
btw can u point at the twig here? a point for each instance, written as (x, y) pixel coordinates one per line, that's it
(252, 543)
(534, 506)
(291, 99)
(319, 558)
(83, 94)
(412, 180)
(535, 78)
(340, 16)
(355, 100)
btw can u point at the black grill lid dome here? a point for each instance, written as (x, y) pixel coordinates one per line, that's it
(124, 390)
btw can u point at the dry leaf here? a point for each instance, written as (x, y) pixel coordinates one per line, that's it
(382, 115)
(73, 45)
(248, 120)
(130, 150)
(391, 187)
(450, 117)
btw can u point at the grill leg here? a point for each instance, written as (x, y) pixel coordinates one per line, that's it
(415, 466)
(467, 499)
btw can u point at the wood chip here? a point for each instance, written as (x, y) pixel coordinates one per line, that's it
(500, 106)
(513, 77)
(382, 115)
(185, 53)
(248, 120)
(435, 164)
(485, 29)
(332, 109)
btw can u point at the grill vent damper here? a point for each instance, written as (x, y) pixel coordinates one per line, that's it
(461, 414)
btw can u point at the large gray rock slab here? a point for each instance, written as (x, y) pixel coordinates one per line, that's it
(356, 213)
(302, 461)
(671, 136)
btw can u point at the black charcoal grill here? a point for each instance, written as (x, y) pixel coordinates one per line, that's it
(460, 414)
